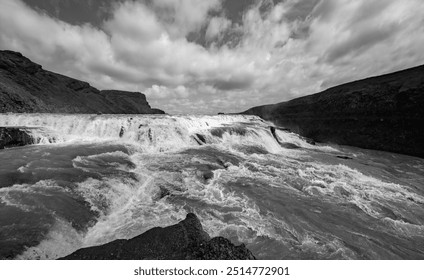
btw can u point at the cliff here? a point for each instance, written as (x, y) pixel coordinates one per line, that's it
(25, 87)
(380, 113)
(184, 241)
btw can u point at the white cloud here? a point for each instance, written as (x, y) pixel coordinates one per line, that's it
(217, 25)
(163, 92)
(145, 48)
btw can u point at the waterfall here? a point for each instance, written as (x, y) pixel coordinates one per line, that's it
(153, 133)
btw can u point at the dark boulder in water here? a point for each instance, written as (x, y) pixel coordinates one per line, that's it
(381, 113)
(14, 136)
(25, 87)
(344, 157)
(184, 241)
(200, 139)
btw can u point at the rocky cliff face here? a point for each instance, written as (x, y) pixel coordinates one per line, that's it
(381, 113)
(184, 241)
(26, 88)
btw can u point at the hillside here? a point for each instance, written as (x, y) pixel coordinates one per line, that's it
(25, 87)
(381, 113)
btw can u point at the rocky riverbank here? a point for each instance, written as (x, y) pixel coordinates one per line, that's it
(184, 241)
(380, 113)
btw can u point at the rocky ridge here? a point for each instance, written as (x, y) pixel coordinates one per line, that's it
(184, 241)
(25, 87)
(381, 113)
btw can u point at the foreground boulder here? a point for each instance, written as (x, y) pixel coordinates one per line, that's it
(14, 136)
(381, 113)
(184, 241)
(25, 87)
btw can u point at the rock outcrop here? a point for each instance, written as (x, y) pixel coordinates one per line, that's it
(184, 241)
(380, 113)
(25, 87)
(14, 136)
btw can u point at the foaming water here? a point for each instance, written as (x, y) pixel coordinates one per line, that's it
(94, 179)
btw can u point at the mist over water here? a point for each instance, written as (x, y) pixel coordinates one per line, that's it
(93, 179)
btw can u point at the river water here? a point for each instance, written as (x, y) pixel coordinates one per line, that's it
(92, 179)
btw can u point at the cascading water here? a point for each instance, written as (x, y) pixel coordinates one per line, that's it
(147, 131)
(95, 178)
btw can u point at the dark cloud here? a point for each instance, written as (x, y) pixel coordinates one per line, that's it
(359, 42)
(239, 83)
(235, 9)
(76, 11)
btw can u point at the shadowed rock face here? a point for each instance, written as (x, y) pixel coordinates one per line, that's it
(13, 136)
(26, 88)
(184, 241)
(381, 113)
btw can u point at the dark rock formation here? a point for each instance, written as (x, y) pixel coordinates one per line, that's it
(185, 240)
(344, 157)
(381, 113)
(14, 136)
(26, 88)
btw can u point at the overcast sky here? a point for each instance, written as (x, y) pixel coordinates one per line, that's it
(198, 56)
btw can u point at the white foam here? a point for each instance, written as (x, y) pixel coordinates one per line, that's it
(290, 137)
(349, 185)
(61, 241)
(12, 196)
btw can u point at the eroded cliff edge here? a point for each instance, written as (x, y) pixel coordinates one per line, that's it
(381, 113)
(184, 241)
(25, 87)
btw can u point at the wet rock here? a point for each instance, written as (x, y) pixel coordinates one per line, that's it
(272, 129)
(14, 136)
(288, 145)
(185, 240)
(201, 138)
(309, 141)
(207, 175)
(344, 157)
(204, 172)
(121, 132)
(163, 192)
(237, 130)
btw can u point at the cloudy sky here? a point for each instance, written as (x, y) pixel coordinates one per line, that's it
(198, 56)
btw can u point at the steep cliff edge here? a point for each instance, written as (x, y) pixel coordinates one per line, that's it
(25, 87)
(184, 241)
(382, 113)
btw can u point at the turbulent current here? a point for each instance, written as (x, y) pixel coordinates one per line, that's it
(91, 179)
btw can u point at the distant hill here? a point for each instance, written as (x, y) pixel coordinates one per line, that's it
(381, 113)
(25, 87)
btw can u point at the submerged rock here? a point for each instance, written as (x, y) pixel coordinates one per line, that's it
(344, 157)
(14, 136)
(289, 145)
(185, 240)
